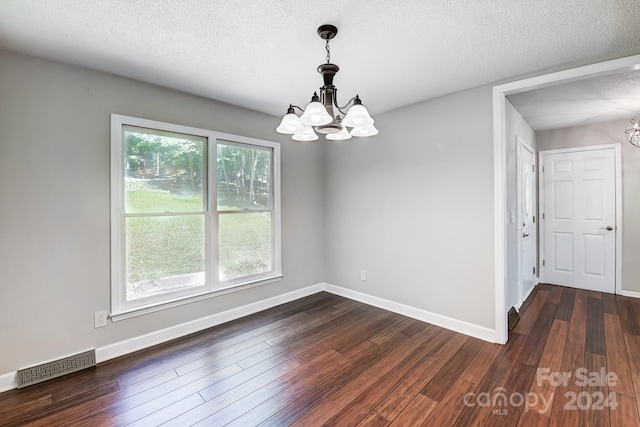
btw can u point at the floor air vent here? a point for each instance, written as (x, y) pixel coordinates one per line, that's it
(57, 368)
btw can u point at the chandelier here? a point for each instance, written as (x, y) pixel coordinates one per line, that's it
(633, 131)
(320, 116)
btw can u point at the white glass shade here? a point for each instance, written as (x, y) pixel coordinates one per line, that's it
(339, 136)
(290, 124)
(306, 134)
(364, 131)
(357, 116)
(315, 115)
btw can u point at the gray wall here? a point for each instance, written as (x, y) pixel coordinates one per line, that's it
(54, 193)
(516, 126)
(607, 133)
(414, 207)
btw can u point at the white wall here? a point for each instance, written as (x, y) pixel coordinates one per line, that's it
(607, 133)
(413, 206)
(516, 127)
(54, 198)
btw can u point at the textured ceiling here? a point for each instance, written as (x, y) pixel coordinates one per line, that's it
(263, 54)
(610, 97)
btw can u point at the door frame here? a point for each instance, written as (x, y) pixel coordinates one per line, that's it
(522, 145)
(617, 150)
(500, 219)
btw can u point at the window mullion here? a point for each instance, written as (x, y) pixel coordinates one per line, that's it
(143, 227)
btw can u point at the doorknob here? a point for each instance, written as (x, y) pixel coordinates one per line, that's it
(524, 235)
(608, 228)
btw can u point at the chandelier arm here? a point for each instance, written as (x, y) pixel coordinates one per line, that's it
(295, 106)
(349, 103)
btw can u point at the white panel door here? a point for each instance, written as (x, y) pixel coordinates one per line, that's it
(527, 209)
(579, 219)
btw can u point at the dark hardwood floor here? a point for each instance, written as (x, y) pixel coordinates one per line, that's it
(326, 360)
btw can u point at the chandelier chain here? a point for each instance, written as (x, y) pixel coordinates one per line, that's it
(328, 51)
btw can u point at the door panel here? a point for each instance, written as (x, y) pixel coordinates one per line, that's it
(563, 251)
(579, 207)
(527, 209)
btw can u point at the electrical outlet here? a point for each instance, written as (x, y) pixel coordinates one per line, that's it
(363, 275)
(100, 319)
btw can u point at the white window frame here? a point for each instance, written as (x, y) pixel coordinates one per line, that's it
(122, 309)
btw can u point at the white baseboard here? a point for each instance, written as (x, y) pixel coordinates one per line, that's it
(138, 343)
(631, 294)
(8, 381)
(455, 325)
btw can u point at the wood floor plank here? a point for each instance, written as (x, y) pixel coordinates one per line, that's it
(329, 360)
(550, 362)
(628, 318)
(555, 295)
(235, 393)
(326, 330)
(626, 413)
(529, 316)
(105, 407)
(572, 359)
(326, 409)
(633, 351)
(308, 388)
(533, 419)
(229, 412)
(386, 334)
(617, 360)
(233, 353)
(373, 420)
(534, 344)
(481, 363)
(395, 402)
(595, 332)
(451, 371)
(148, 413)
(416, 412)
(280, 410)
(529, 299)
(368, 400)
(518, 384)
(565, 307)
(578, 321)
(496, 377)
(595, 414)
(26, 406)
(609, 304)
(450, 407)
(595, 295)
(168, 412)
(365, 331)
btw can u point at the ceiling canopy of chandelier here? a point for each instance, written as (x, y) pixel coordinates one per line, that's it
(320, 116)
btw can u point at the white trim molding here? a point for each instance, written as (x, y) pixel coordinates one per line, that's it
(450, 323)
(9, 381)
(631, 294)
(138, 343)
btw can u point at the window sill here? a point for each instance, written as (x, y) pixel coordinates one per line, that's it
(128, 314)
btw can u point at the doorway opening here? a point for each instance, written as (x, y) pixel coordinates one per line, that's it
(501, 216)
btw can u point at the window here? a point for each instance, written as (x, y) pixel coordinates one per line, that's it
(194, 213)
